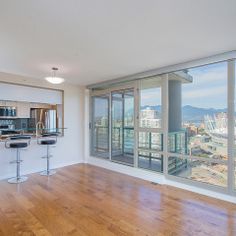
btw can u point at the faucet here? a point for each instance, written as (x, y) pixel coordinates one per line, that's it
(39, 125)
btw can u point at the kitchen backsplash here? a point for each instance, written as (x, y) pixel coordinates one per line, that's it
(20, 123)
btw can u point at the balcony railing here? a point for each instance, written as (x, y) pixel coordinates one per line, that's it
(177, 142)
(123, 144)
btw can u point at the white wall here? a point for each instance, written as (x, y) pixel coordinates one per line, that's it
(69, 149)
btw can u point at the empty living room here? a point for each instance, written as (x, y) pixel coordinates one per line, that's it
(118, 118)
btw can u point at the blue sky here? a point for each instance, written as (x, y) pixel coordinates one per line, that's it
(101, 106)
(208, 89)
(150, 97)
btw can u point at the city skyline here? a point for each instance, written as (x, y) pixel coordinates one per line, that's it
(208, 90)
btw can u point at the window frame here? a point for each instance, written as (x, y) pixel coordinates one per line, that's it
(160, 130)
(92, 153)
(135, 83)
(230, 145)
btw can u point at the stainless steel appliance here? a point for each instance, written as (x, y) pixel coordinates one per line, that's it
(46, 117)
(7, 112)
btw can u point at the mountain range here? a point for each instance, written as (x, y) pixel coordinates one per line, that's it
(190, 113)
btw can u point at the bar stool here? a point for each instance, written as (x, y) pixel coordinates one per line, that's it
(48, 140)
(17, 142)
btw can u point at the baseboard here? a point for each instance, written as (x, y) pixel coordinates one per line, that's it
(157, 178)
(37, 170)
(128, 170)
(201, 191)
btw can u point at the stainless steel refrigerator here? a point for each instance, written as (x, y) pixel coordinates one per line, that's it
(48, 117)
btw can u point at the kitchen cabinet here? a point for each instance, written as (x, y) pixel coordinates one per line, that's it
(10, 103)
(40, 105)
(23, 110)
(2, 103)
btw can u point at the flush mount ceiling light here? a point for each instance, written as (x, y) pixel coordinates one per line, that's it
(54, 79)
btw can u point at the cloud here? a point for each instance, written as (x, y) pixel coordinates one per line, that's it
(209, 74)
(205, 93)
(208, 89)
(151, 97)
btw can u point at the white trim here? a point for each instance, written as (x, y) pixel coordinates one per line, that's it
(115, 88)
(37, 170)
(231, 124)
(110, 124)
(165, 118)
(206, 192)
(128, 170)
(136, 121)
(87, 123)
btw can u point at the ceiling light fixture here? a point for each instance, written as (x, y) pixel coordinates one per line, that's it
(54, 79)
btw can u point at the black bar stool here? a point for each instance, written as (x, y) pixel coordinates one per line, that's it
(18, 142)
(48, 140)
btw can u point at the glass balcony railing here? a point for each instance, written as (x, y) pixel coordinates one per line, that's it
(101, 139)
(177, 142)
(123, 139)
(149, 144)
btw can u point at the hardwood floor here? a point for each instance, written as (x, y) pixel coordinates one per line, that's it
(88, 200)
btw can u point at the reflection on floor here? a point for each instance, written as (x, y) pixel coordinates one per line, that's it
(143, 162)
(150, 163)
(87, 200)
(128, 159)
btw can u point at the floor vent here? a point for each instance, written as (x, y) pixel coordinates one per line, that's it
(154, 183)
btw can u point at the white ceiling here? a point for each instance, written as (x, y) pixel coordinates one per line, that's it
(97, 40)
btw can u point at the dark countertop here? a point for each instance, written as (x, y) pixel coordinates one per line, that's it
(32, 132)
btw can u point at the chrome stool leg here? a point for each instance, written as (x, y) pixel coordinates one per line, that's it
(48, 171)
(18, 178)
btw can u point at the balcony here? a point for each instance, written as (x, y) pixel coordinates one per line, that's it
(148, 147)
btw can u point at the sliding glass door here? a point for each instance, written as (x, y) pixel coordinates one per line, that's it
(150, 130)
(122, 123)
(181, 124)
(100, 126)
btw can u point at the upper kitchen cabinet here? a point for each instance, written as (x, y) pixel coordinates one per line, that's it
(10, 103)
(17, 102)
(20, 93)
(2, 103)
(40, 105)
(23, 110)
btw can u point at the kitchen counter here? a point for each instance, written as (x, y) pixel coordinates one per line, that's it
(4, 137)
(30, 132)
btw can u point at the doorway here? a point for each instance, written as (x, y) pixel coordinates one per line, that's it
(122, 126)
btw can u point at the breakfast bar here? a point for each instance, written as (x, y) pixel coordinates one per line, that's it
(31, 122)
(16, 148)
